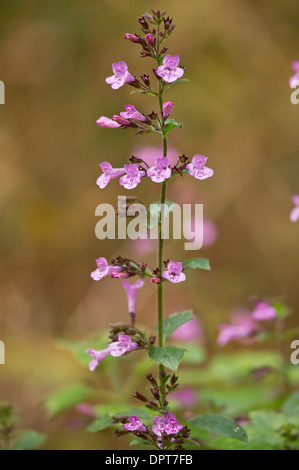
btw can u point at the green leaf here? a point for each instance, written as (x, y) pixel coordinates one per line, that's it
(171, 323)
(197, 263)
(171, 124)
(65, 397)
(151, 93)
(220, 425)
(100, 423)
(170, 356)
(175, 83)
(139, 441)
(29, 440)
(291, 405)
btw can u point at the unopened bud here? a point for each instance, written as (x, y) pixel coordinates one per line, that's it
(132, 37)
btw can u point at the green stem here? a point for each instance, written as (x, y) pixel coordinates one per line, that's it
(160, 260)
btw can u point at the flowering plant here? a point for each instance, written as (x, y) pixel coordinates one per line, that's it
(157, 425)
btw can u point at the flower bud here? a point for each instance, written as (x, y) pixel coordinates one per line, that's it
(140, 397)
(150, 39)
(167, 108)
(132, 37)
(145, 79)
(155, 393)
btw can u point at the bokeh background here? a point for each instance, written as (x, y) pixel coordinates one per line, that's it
(236, 109)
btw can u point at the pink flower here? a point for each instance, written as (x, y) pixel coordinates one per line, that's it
(121, 75)
(166, 424)
(174, 272)
(294, 215)
(160, 171)
(167, 109)
(122, 346)
(108, 174)
(198, 169)
(117, 275)
(121, 121)
(132, 113)
(97, 357)
(115, 349)
(85, 409)
(104, 269)
(103, 121)
(210, 233)
(150, 39)
(132, 37)
(242, 326)
(170, 71)
(263, 311)
(191, 331)
(131, 290)
(135, 424)
(155, 280)
(132, 177)
(186, 397)
(294, 80)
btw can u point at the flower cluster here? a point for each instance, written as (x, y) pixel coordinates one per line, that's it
(244, 325)
(131, 174)
(164, 431)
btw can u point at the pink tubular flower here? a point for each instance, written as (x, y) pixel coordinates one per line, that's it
(132, 113)
(294, 80)
(174, 272)
(122, 346)
(135, 424)
(104, 121)
(167, 109)
(170, 71)
(191, 331)
(263, 311)
(131, 290)
(121, 121)
(108, 174)
(242, 327)
(132, 177)
(198, 169)
(97, 357)
(132, 37)
(294, 215)
(121, 75)
(104, 269)
(160, 171)
(166, 424)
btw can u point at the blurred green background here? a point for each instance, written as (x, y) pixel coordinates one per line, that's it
(236, 109)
